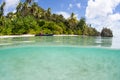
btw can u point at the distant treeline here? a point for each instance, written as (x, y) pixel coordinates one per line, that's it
(30, 18)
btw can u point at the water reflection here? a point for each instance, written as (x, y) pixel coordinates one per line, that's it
(58, 40)
(106, 41)
(76, 40)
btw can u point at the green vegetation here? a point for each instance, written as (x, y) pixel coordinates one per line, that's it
(30, 18)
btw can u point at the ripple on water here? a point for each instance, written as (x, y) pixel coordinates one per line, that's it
(59, 63)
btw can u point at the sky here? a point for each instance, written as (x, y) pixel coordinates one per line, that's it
(98, 13)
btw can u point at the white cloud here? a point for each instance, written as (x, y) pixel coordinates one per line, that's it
(101, 13)
(35, 0)
(114, 17)
(10, 5)
(70, 5)
(78, 5)
(65, 14)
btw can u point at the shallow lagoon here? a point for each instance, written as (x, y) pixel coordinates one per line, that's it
(59, 58)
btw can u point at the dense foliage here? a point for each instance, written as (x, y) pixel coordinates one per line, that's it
(30, 18)
(106, 32)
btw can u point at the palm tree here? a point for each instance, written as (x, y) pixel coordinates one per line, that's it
(72, 21)
(36, 11)
(19, 7)
(29, 1)
(72, 15)
(34, 8)
(1, 14)
(24, 9)
(47, 14)
(82, 25)
(49, 11)
(2, 9)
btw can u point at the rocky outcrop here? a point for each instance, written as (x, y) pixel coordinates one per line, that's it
(106, 32)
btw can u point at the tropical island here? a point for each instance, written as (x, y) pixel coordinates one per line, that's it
(30, 18)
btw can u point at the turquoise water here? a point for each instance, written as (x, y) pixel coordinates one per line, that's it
(59, 58)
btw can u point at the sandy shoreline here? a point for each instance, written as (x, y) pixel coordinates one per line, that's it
(28, 35)
(12, 36)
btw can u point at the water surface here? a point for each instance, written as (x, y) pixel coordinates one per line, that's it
(59, 58)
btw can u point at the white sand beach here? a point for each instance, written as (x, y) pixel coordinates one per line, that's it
(11, 36)
(29, 35)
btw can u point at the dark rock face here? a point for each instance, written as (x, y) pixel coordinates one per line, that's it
(106, 32)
